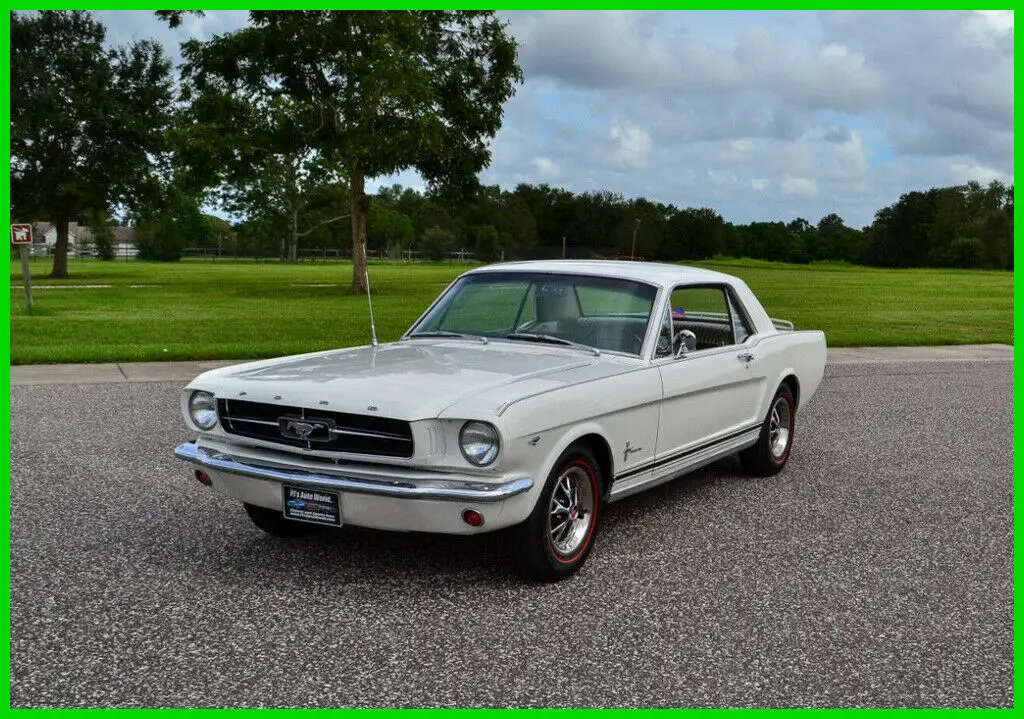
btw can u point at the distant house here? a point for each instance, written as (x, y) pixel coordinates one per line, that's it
(124, 242)
(80, 240)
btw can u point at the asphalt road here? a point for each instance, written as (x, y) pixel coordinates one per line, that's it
(876, 570)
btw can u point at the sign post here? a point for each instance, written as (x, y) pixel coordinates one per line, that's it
(22, 235)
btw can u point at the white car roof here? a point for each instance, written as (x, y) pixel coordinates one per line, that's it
(656, 273)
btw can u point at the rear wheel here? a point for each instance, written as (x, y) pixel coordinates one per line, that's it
(272, 521)
(771, 452)
(555, 540)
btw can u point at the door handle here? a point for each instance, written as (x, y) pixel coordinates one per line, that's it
(745, 357)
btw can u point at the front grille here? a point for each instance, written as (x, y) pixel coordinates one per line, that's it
(357, 433)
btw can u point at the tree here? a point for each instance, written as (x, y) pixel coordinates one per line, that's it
(165, 228)
(103, 236)
(967, 252)
(173, 18)
(262, 163)
(943, 226)
(437, 243)
(388, 91)
(86, 122)
(486, 242)
(390, 231)
(696, 233)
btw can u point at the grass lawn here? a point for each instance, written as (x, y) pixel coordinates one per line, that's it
(226, 310)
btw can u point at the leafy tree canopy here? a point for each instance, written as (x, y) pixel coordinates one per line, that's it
(377, 92)
(86, 122)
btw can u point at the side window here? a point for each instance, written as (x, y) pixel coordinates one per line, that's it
(707, 312)
(740, 326)
(665, 337)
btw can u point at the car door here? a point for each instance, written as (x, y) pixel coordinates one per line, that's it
(710, 394)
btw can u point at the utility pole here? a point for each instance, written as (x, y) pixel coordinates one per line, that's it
(636, 226)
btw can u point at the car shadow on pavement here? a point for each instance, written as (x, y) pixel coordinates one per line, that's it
(356, 554)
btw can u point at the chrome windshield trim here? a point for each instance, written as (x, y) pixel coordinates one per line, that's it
(445, 490)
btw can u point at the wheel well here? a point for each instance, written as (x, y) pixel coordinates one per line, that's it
(603, 453)
(794, 386)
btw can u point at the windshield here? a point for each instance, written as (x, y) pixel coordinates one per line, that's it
(606, 313)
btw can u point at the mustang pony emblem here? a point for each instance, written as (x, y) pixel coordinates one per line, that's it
(309, 430)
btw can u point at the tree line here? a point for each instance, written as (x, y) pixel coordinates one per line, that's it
(283, 121)
(966, 226)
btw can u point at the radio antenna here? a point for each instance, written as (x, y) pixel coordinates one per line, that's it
(369, 299)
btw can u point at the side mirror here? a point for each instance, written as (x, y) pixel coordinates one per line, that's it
(686, 342)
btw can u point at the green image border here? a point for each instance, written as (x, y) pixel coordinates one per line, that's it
(1018, 381)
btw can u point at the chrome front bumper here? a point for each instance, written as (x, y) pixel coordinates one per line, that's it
(442, 489)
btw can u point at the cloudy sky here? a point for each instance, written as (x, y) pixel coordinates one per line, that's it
(760, 115)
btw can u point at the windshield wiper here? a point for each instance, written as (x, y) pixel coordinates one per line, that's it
(551, 339)
(447, 333)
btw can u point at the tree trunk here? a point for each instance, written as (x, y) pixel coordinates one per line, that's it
(293, 241)
(358, 194)
(60, 253)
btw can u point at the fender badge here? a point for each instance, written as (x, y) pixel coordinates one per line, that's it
(628, 451)
(534, 441)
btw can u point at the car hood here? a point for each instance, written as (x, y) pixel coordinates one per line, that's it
(410, 380)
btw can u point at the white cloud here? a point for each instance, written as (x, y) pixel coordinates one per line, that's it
(982, 24)
(799, 186)
(964, 172)
(831, 77)
(720, 177)
(633, 147)
(546, 168)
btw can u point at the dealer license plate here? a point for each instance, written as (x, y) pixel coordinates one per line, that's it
(312, 505)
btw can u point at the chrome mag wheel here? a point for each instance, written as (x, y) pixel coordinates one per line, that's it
(571, 512)
(780, 420)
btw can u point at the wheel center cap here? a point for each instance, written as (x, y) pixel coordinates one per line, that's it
(574, 513)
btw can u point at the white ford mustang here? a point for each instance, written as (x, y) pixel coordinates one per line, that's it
(527, 396)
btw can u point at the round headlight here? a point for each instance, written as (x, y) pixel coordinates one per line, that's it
(202, 408)
(479, 443)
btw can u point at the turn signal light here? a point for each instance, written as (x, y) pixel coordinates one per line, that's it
(203, 477)
(473, 518)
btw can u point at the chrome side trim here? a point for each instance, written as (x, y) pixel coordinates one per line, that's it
(683, 465)
(444, 490)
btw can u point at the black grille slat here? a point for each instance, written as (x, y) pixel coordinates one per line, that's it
(356, 433)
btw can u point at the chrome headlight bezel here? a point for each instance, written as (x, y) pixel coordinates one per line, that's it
(482, 434)
(202, 410)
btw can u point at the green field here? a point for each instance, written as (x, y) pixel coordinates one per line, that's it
(230, 310)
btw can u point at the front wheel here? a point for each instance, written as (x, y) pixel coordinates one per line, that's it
(558, 535)
(771, 452)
